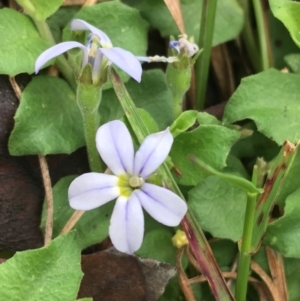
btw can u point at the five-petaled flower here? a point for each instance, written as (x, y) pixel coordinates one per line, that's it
(103, 54)
(128, 185)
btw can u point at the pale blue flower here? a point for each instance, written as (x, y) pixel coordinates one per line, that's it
(128, 185)
(104, 54)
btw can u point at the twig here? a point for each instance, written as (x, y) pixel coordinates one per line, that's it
(15, 87)
(72, 221)
(49, 199)
(45, 176)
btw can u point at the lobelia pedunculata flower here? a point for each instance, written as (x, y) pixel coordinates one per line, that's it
(185, 46)
(99, 52)
(128, 185)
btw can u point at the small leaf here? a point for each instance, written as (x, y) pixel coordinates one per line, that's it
(219, 207)
(183, 122)
(49, 273)
(210, 143)
(273, 104)
(48, 120)
(92, 227)
(283, 234)
(20, 44)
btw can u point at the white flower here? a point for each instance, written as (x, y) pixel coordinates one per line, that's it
(124, 59)
(129, 185)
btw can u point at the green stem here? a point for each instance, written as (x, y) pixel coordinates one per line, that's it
(262, 35)
(88, 99)
(61, 62)
(205, 43)
(246, 250)
(179, 81)
(248, 38)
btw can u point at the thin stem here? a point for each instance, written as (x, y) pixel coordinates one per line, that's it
(245, 252)
(262, 34)
(205, 43)
(61, 62)
(72, 221)
(49, 199)
(248, 38)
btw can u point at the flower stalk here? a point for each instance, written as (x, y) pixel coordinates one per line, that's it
(195, 235)
(88, 100)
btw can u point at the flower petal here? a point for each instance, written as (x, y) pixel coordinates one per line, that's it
(115, 146)
(162, 204)
(175, 45)
(126, 229)
(78, 24)
(55, 51)
(92, 190)
(125, 60)
(152, 153)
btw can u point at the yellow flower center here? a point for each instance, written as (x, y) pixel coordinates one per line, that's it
(128, 183)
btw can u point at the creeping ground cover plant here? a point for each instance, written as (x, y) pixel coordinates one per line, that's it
(149, 150)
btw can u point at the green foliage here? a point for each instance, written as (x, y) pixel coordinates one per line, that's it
(282, 234)
(157, 244)
(152, 95)
(210, 143)
(270, 99)
(20, 44)
(219, 207)
(40, 9)
(46, 274)
(48, 120)
(288, 13)
(122, 24)
(183, 122)
(228, 24)
(281, 42)
(92, 226)
(293, 62)
(60, 19)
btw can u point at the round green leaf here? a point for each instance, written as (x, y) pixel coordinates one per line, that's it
(48, 120)
(20, 44)
(49, 273)
(271, 99)
(219, 207)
